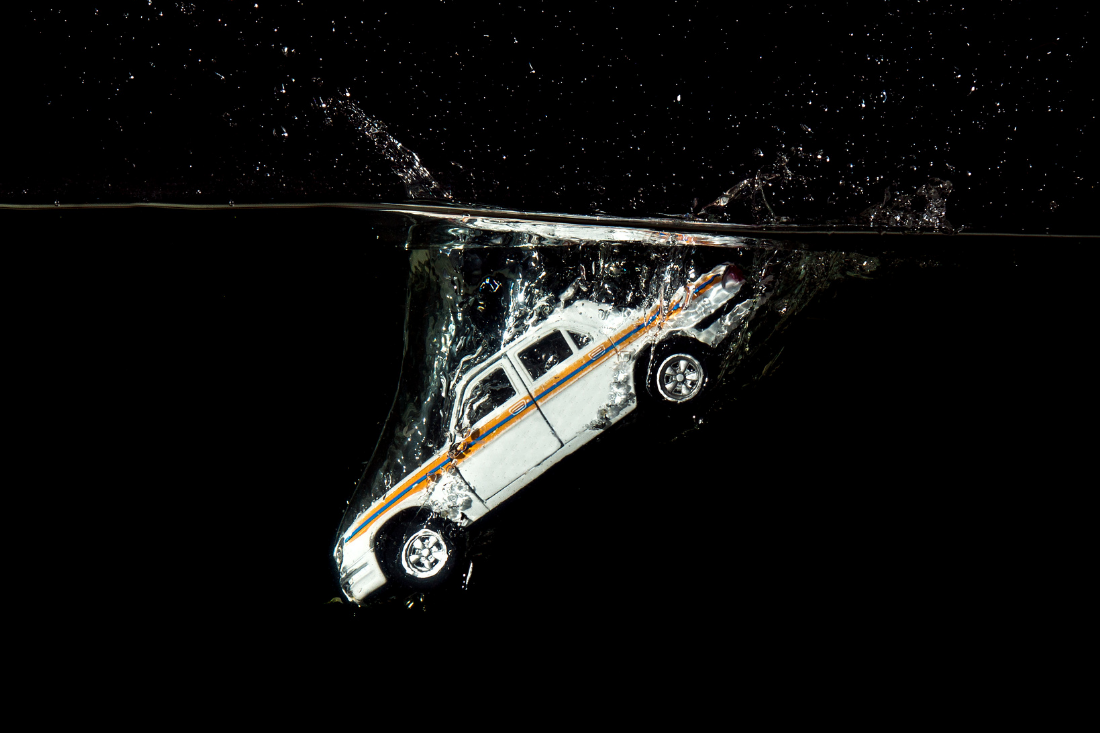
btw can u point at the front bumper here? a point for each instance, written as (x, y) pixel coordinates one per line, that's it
(360, 573)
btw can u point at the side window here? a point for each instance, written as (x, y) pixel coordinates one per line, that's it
(580, 339)
(545, 354)
(486, 395)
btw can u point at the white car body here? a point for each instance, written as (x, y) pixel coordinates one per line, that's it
(538, 414)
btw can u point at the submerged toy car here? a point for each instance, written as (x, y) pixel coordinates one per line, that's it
(527, 407)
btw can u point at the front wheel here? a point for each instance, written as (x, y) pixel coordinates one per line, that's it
(680, 377)
(422, 555)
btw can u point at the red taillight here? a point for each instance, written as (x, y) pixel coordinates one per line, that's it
(732, 276)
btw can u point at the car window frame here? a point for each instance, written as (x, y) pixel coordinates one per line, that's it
(521, 368)
(594, 336)
(483, 374)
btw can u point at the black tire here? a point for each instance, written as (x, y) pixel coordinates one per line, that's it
(410, 556)
(679, 374)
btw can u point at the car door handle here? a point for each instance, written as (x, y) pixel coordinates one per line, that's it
(518, 407)
(595, 353)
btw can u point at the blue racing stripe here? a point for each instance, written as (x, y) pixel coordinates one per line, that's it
(491, 431)
(676, 308)
(569, 376)
(708, 282)
(397, 498)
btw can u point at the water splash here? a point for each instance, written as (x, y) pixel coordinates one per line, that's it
(754, 189)
(784, 192)
(418, 180)
(925, 209)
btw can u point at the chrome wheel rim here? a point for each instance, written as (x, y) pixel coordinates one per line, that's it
(424, 554)
(680, 377)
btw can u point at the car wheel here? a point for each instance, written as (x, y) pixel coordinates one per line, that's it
(679, 377)
(422, 554)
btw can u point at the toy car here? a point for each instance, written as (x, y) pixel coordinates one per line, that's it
(525, 408)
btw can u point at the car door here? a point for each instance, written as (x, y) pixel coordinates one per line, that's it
(505, 433)
(570, 373)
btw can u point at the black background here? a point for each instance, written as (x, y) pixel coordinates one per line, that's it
(898, 475)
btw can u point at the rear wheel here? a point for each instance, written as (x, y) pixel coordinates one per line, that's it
(679, 376)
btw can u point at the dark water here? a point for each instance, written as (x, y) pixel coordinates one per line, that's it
(897, 463)
(899, 471)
